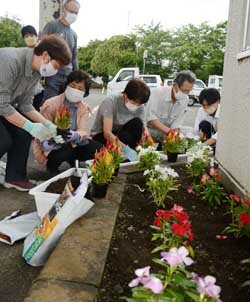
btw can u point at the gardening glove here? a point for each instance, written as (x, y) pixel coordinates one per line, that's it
(59, 139)
(73, 136)
(51, 127)
(48, 146)
(37, 130)
(130, 153)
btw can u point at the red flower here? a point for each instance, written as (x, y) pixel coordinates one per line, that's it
(234, 197)
(245, 219)
(157, 222)
(163, 214)
(180, 228)
(177, 208)
(190, 236)
(182, 217)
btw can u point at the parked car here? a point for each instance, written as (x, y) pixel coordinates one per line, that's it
(152, 80)
(120, 80)
(194, 93)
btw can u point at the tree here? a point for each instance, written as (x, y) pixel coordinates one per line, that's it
(157, 41)
(10, 33)
(113, 54)
(86, 55)
(199, 48)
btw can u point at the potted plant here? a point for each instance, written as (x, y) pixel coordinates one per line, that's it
(102, 171)
(146, 141)
(63, 121)
(115, 149)
(174, 144)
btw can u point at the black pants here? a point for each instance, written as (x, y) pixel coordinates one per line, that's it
(69, 154)
(16, 143)
(130, 133)
(38, 100)
(206, 128)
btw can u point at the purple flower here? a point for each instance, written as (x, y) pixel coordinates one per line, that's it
(177, 256)
(151, 282)
(208, 287)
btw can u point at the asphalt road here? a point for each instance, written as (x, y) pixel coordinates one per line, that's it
(16, 276)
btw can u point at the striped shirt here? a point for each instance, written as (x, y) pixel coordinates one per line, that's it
(17, 80)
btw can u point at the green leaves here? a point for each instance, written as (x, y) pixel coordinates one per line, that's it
(10, 32)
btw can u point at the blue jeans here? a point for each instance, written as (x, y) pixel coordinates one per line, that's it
(54, 86)
(16, 143)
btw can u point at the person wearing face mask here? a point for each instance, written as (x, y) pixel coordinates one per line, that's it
(20, 70)
(208, 115)
(29, 35)
(62, 27)
(78, 144)
(167, 105)
(123, 116)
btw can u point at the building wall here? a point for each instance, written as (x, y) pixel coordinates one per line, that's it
(233, 146)
(49, 10)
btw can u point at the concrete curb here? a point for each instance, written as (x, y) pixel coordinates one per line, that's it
(73, 272)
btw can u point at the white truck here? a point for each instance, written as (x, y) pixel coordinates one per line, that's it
(120, 80)
(215, 81)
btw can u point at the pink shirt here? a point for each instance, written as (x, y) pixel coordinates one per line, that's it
(49, 109)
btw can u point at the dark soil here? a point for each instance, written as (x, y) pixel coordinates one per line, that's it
(131, 243)
(58, 186)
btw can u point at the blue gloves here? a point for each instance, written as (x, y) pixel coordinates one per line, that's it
(51, 128)
(73, 136)
(37, 130)
(130, 153)
(48, 146)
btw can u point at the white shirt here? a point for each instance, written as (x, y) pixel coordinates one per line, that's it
(202, 115)
(161, 107)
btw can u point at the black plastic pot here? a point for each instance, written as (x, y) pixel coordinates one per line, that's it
(63, 132)
(172, 157)
(99, 190)
(116, 171)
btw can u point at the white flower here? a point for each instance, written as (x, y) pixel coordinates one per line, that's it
(150, 149)
(192, 136)
(146, 172)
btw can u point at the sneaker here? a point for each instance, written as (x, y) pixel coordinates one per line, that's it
(22, 186)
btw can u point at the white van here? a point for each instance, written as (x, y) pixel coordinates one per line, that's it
(215, 81)
(120, 80)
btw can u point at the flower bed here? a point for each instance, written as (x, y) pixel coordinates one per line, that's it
(131, 245)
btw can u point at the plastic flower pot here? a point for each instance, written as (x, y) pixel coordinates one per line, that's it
(116, 171)
(172, 157)
(99, 190)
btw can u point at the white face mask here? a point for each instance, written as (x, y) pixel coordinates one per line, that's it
(30, 41)
(47, 70)
(211, 110)
(70, 17)
(74, 95)
(131, 107)
(180, 96)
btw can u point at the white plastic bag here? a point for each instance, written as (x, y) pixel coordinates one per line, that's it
(2, 171)
(69, 206)
(13, 229)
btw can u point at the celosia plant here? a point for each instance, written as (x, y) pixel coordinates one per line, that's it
(115, 149)
(174, 143)
(63, 119)
(160, 181)
(103, 167)
(146, 141)
(148, 157)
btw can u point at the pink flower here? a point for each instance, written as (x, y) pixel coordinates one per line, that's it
(177, 256)
(177, 208)
(190, 190)
(148, 281)
(208, 287)
(205, 177)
